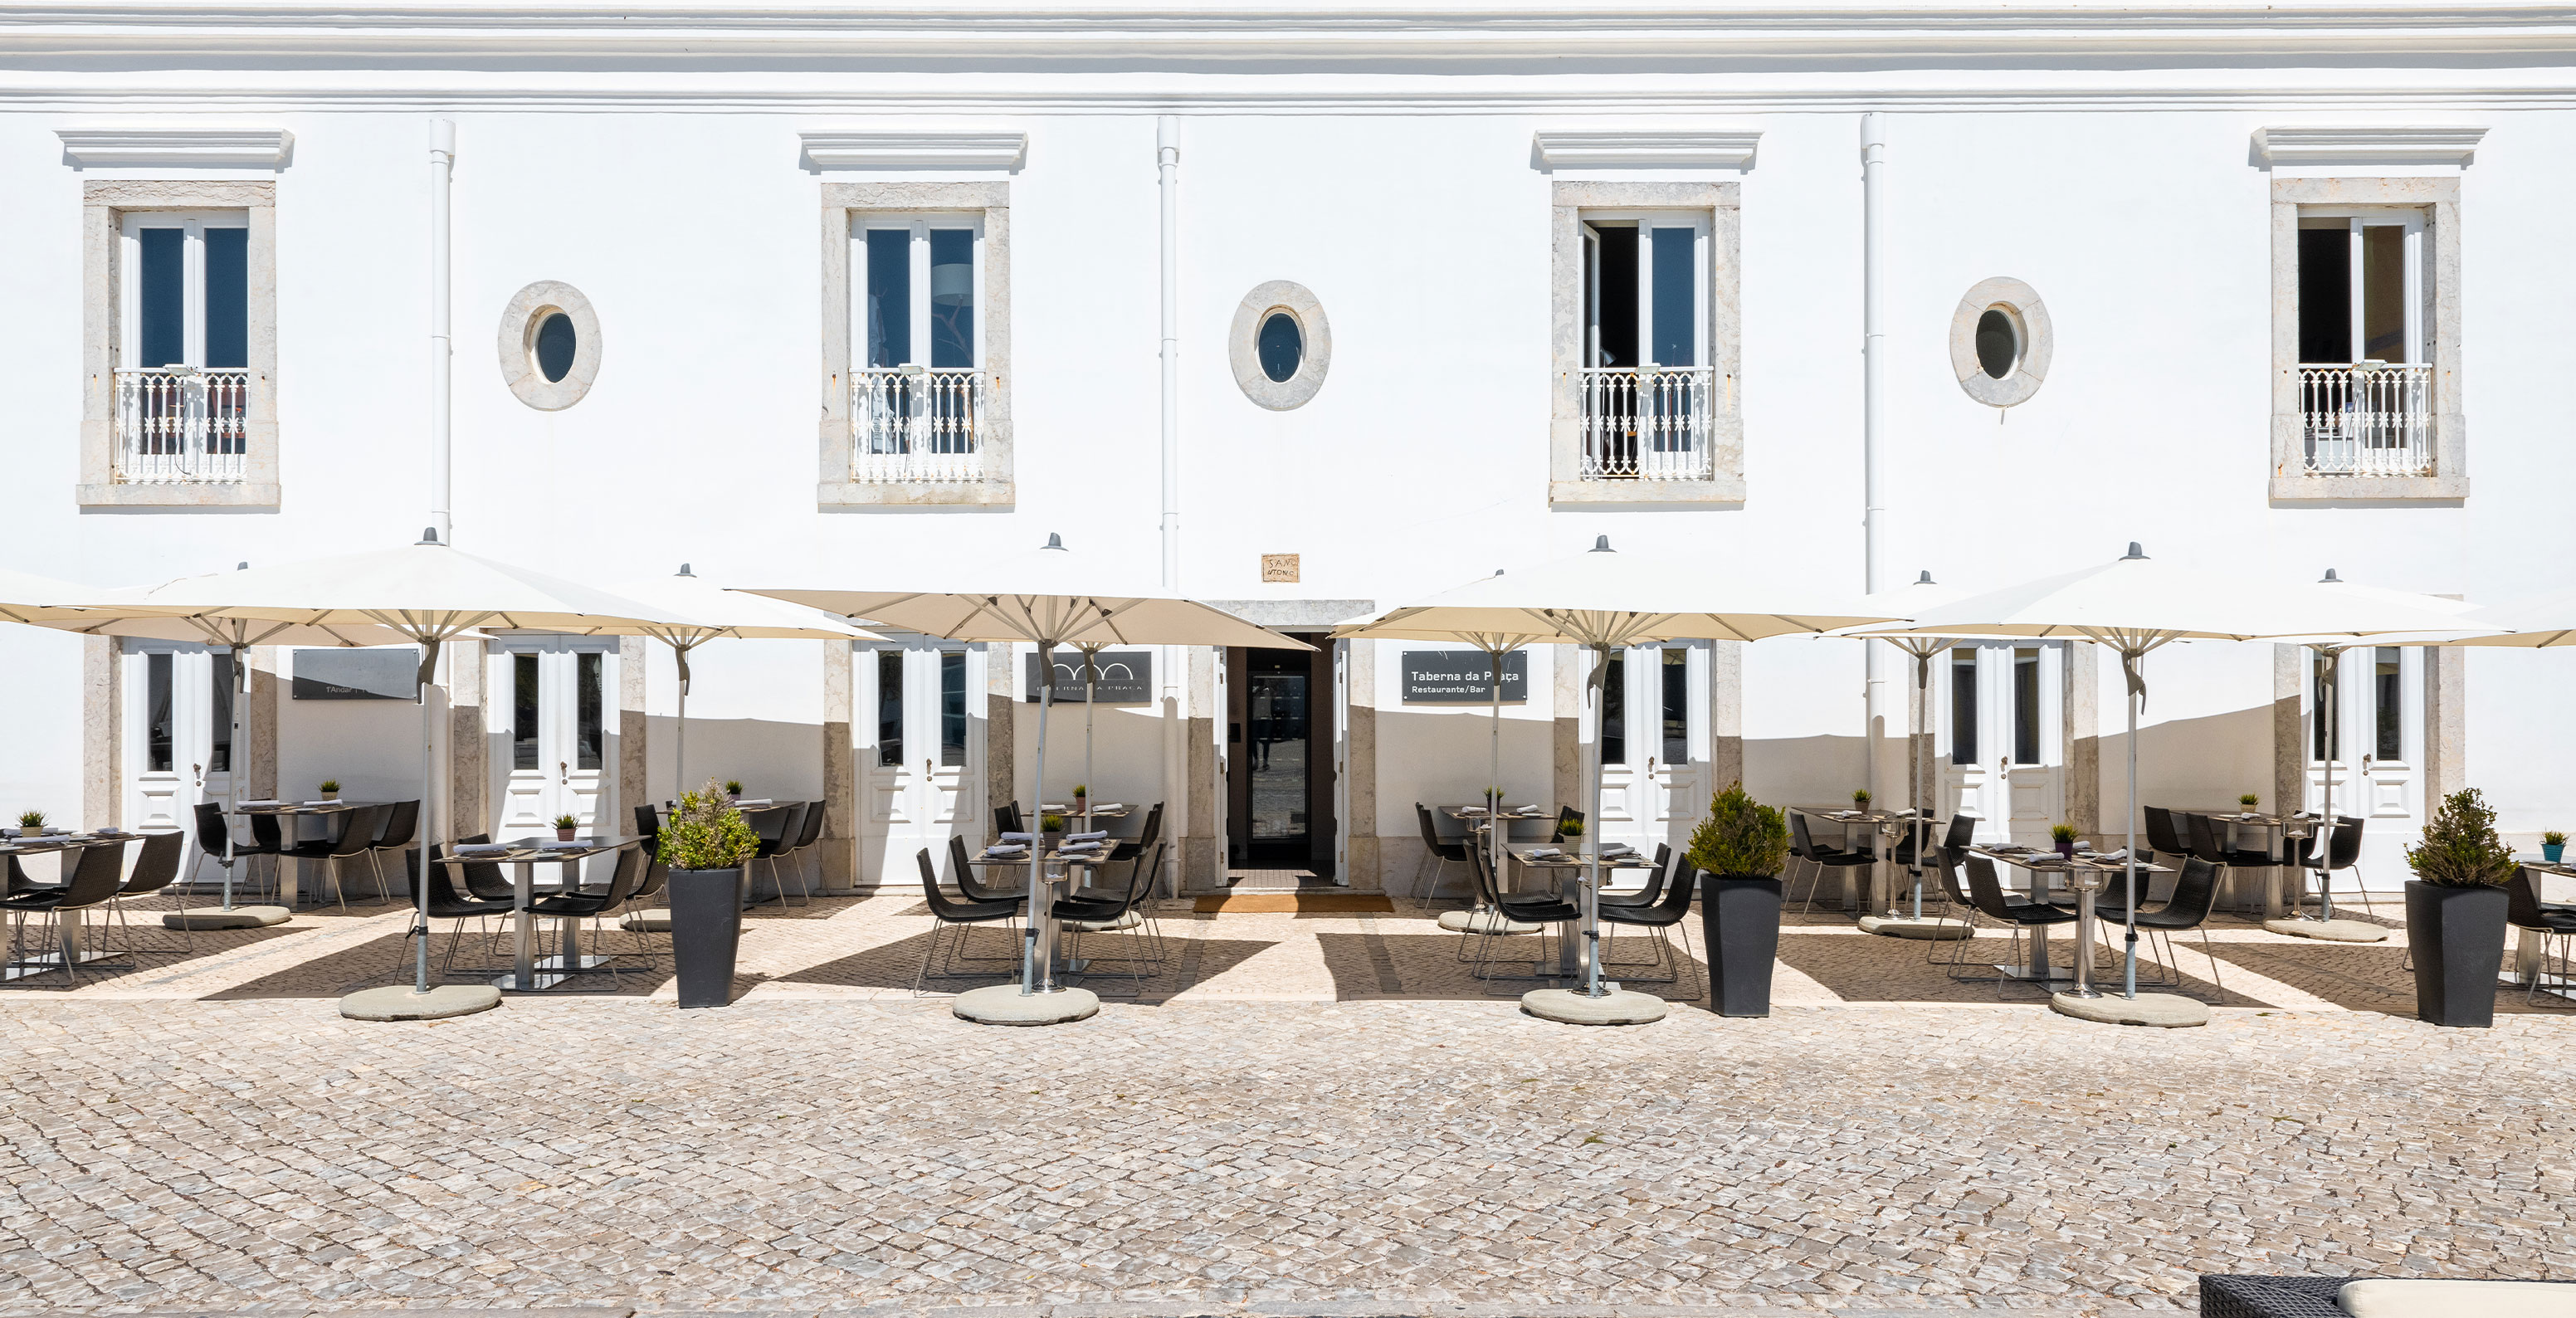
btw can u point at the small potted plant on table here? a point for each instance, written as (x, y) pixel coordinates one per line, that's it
(733, 789)
(2455, 912)
(2553, 845)
(2063, 836)
(1081, 798)
(1740, 848)
(31, 823)
(330, 789)
(1860, 799)
(706, 844)
(564, 826)
(2247, 802)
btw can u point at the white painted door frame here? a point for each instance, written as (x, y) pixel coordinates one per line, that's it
(565, 762)
(921, 750)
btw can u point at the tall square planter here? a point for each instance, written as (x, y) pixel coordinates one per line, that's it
(1740, 919)
(2458, 938)
(706, 932)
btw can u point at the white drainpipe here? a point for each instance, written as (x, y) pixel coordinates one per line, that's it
(1873, 330)
(442, 161)
(1174, 661)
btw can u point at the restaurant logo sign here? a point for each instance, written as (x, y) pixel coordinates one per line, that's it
(1459, 677)
(388, 674)
(1126, 677)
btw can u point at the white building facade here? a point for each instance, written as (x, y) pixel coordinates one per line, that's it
(1307, 314)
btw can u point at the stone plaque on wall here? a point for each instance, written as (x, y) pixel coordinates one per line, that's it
(1126, 677)
(1457, 677)
(388, 674)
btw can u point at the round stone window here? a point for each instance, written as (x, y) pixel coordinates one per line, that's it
(2000, 341)
(549, 345)
(1280, 345)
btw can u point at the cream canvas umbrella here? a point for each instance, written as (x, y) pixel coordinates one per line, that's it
(2137, 605)
(1051, 596)
(42, 602)
(430, 594)
(1606, 601)
(1910, 600)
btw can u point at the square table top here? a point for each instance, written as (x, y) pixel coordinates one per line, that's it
(1056, 856)
(1511, 813)
(1114, 810)
(303, 807)
(2050, 860)
(51, 842)
(1576, 859)
(525, 849)
(1846, 815)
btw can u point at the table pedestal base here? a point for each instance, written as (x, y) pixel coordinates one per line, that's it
(2160, 1010)
(1004, 1004)
(216, 917)
(1572, 1007)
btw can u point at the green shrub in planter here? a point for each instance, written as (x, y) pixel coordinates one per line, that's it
(1741, 845)
(2455, 911)
(1740, 837)
(706, 844)
(707, 833)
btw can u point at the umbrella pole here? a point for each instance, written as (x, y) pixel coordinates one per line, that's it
(1037, 960)
(1090, 682)
(1495, 828)
(2129, 862)
(2326, 826)
(680, 734)
(428, 772)
(1916, 769)
(232, 774)
(1592, 888)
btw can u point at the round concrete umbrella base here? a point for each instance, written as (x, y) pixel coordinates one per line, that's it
(1928, 930)
(2162, 1010)
(1483, 922)
(1567, 1007)
(2332, 931)
(216, 917)
(1004, 1004)
(655, 921)
(399, 1003)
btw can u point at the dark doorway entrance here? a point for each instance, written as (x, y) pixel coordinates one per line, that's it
(1279, 759)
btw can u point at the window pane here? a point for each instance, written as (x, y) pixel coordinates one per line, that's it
(1614, 711)
(2026, 707)
(952, 297)
(219, 758)
(557, 343)
(227, 298)
(523, 711)
(161, 305)
(2383, 292)
(2323, 744)
(1614, 300)
(590, 716)
(889, 707)
(2390, 703)
(952, 709)
(889, 297)
(1963, 707)
(1676, 338)
(1676, 705)
(156, 713)
(2325, 295)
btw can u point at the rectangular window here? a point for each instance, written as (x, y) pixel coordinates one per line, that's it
(2324, 746)
(1676, 693)
(2359, 276)
(888, 298)
(590, 742)
(1963, 706)
(219, 691)
(182, 377)
(2026, 706)
(917, 391)
(1645, 394)
(1614, 711)
(1676, 300)
(952, 297)
(227, 299)
(157, 713)
(2388, 703)
(523, 711)
(952, 708)
(889, 707)
(162, 298)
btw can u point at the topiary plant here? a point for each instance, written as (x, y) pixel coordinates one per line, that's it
(1860, 799)
(2249, 801)
(2553, 839)
(2460, 847)
(2061, 832)
(1740, 837)
(707, 833)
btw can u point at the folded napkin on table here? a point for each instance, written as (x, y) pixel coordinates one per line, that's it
(319, 803)
(1086, 837)
(1019, 837)
(2121, 854)
(481, 849)
(1082, 846)
(752, 800)
(1098, 806)
(1544, 853)
(265, 800)
(1616, 849)
(1471, 810)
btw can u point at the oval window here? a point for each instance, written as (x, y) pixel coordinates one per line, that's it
(556, 343)
(1998, 343)
(1281, 346)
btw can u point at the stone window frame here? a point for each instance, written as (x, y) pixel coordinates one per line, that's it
(2439, 199)
(104, 205)
(1722, 203)
(992, 200)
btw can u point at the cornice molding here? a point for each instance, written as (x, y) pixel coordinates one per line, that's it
(2411, 144)
(1653, 149)
(175, 148)
(862, 149)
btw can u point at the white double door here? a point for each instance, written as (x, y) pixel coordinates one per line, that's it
(179, 732)
(1998, 710)
(551, 699)
(922, 755)
(2373, 742)
(1652, 733)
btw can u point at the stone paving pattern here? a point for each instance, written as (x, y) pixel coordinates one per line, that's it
(1301, 1111)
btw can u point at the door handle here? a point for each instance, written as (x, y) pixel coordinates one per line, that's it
(925, 767)
(200, 771)
(563, 771)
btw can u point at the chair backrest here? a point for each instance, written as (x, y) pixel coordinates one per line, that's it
(264, 832)
(443, 896)
(156, 866)
(1800, 845)
(213, 836)
(2522, 899)
(2201, 838)
(813, 830)
(2160, 831)
(1985, 891)
(1963, 830)
(940, 905)
(648, 825)
(358, 831)
(1684, 885)
(2195, 892)
(622, 881)
(656, 875)
(2345, 847)
(1949, 867)
(401, 820)
(484, 878)
(1487, 888)
(1430, 831)
(1568, 815)
(775, 827)
(1007, 818)
(1153, 828)
(95, 877)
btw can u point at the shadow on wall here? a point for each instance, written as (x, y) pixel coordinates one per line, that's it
(771, 757)
(1804, 770)
(2198, 764)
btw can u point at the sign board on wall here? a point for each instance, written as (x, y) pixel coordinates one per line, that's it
(387, 674)
(1459, 677)
(1125, 677)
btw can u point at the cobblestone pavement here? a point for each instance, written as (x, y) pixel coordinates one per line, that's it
(1309, 1113)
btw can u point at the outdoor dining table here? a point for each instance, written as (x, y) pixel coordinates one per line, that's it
(72, 926)
(2528, 957)
(290, 877)
(1886, 827)
(528, 971)
(2273, 834)
(1574, 954)
(1060, 881)
(2088, 873)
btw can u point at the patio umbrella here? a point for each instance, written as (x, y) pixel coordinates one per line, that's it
(1050, 596)
(1906, 601)
(43, 602)
(2137, 605)
(1605, 601)
(429, 594)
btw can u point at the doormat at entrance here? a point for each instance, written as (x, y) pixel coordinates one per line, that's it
(1299, 903)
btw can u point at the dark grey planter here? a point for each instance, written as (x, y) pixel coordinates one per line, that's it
(1740, 917)
(2458, 938)
(706, 932)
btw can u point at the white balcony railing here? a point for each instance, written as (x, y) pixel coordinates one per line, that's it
(1651, 424)
(177, 425)
(2367, 419)
(917, 423)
